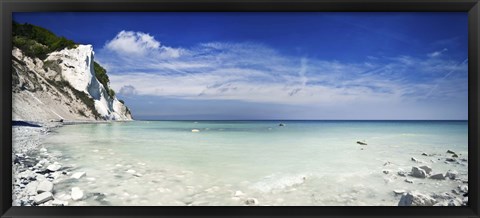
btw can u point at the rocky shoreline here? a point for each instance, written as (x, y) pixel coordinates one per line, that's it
(422, 171)
(36, 172)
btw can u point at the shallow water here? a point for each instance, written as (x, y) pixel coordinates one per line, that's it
(302, 163)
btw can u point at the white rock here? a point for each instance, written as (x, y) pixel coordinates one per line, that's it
(463, 188)
(43, 197)
(54, 167)
(416, 199)
(78, 175)
(398, 192)
(77, 194)
(251, 201)
(43, 150)
(418, 172)
(31, 188)
(45, 186)
(59, 203)
(195, 130)
(131, 171)
(408, 181)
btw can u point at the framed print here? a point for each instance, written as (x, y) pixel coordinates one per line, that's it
(203, 108)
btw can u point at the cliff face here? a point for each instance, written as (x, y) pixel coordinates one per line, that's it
(62, 86)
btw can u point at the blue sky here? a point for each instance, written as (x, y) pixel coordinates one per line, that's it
(278, 65)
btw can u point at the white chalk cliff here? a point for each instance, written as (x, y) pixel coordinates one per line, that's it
(62, 86)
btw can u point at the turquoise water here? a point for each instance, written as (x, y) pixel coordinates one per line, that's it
(301, 163)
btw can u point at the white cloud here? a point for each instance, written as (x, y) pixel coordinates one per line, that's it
(140, 44)
(253, 72)
(437, 53)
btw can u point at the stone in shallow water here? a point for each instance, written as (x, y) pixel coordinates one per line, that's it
(45, 186)
(427, 169)
(418, 172)
(251, 201)
(43, 197)
(77, 194)
(450, 152)
(402, 173)
(416, 199)
(452, 174)
(438, 176)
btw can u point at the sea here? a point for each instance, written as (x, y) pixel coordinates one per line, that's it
(269, 163)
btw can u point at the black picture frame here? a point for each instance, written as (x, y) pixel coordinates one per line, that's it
(10, 6)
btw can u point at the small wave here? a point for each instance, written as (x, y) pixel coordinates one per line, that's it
(277, 182)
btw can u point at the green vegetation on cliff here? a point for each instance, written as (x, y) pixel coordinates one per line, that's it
(36, 41)
(102, 76)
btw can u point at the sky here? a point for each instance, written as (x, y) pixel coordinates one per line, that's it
(302, 66)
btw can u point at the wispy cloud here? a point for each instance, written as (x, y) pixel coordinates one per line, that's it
(437, 53)
(253, 72)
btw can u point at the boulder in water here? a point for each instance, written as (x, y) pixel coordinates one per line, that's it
(77, 194)
(427, 169)
(416, 199)
(438, 176)
(418, 172)
(452, 174)
(251, 201)
(361, 143)
(43, 197)
(450, 152)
